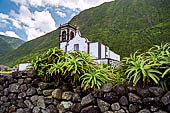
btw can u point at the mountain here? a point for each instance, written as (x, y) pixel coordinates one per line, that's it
(123, 25)
(31, 49)
(4, 47)
(15, 42)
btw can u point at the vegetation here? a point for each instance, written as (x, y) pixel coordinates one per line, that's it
(152, 67)
(75, 68)
(4, 47)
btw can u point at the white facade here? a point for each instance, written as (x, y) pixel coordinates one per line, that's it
(71, 40)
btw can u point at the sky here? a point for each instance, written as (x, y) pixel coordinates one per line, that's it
(29, 19)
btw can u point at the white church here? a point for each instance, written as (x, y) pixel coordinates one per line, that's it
(71, 40)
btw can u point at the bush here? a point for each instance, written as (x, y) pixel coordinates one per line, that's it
(75, 68)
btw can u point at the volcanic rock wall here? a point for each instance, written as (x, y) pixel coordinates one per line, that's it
(25, 93)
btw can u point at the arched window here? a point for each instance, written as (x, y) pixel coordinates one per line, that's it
(64, 36)
(71, 35)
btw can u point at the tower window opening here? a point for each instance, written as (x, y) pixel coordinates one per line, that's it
(64, 36)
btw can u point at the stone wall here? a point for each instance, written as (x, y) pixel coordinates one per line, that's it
(23, 93)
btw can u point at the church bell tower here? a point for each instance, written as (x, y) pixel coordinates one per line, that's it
(67, 32)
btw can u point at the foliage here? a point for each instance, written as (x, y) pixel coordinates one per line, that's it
(14, 42)
(4, 47)
(151, 66)
(75, 68)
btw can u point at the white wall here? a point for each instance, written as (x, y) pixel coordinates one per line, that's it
(93, 49)
(114, 56)
(62, 45)
(103, 51)
(77, 40)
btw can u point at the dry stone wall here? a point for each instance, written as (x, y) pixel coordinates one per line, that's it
(24, 93)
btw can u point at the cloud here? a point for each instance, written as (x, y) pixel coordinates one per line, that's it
(73, 4)
(61, 14)
(35, 24)
(10, 33)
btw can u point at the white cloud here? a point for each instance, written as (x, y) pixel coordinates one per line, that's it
(61, 14)
(2, 33)
(35, 24)
(73, 4)
(10, 33)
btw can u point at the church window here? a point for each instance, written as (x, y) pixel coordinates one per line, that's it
(71, 35)
(76, 47)
(64, 36)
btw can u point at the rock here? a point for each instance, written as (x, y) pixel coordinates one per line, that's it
(123, 101)
(67, 95)
(120, 111)
(12, 108)
(166, 98)
(104, 106)
(44, 111)
(43, 85)
(134, 98)
(39, 91)
(131, 89)
(168, 108)
(108, 112)
(98, 93)
(87, 99)
(28, 104)
(52, 109)
(14, 88)
(34, 99)
(57, 94)
(160, 111)
(152, 101)
(23, 88)
(21, 104)
(6, 91)
(27, 110)
(120, 90)
(115, 106)
(133, 108)
(47, 92)
(143, 92)
(31, 73)
(75, 108)
(12, 96)
(107, 87)
(27, 80)
(157, 91)
(153, 108)
(40, 102)
(36, 110)
(110, 97)
(90, 109)
(31, 91)
(20, 110)
(4, 99)
(22, 95)
(56, 102)
(76, 98)
(20, 81)
(1, 88)
(48, 100)
(144, 111)
(63, 106)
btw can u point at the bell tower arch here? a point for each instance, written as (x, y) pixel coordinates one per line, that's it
(67, 32)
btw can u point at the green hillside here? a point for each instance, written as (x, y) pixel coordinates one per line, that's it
(127, 25)
(4, 47)
(30, 49)
(123, 25)
(15, 42)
